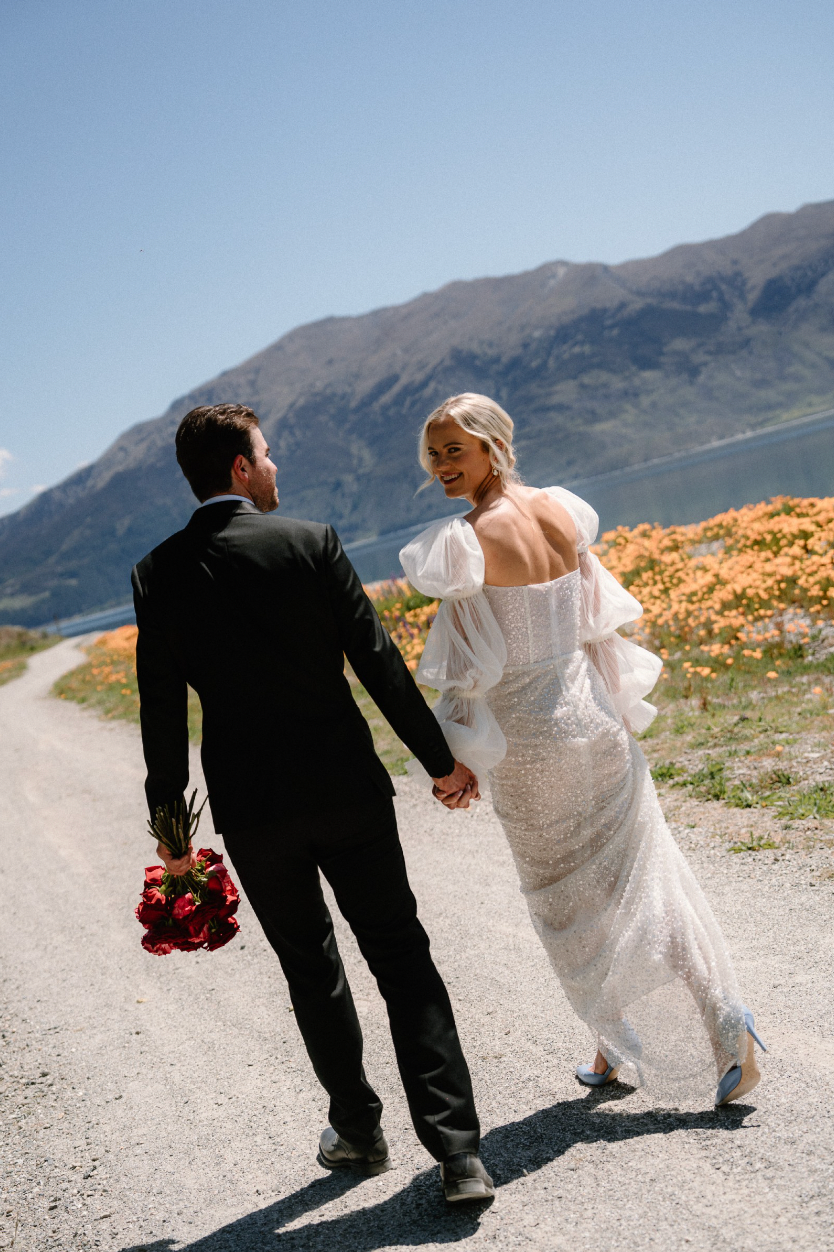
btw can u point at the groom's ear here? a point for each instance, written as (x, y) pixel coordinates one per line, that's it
(240, 469)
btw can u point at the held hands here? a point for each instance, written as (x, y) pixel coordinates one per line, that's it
(179, 866)
(456, 789)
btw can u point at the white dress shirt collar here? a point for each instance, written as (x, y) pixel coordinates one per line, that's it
(222, 499)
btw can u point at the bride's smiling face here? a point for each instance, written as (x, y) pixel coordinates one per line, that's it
(459, 461)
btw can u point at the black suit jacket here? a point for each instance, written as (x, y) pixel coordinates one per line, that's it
(257, 612)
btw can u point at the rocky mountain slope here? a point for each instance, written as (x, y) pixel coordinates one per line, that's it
(601, 366)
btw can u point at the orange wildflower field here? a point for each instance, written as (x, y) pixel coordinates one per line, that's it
(406, 615)
(750, 583)
(740, 607)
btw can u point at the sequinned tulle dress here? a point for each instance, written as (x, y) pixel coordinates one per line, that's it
(540, 692)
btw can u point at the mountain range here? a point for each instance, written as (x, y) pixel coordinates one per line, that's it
(601, 366)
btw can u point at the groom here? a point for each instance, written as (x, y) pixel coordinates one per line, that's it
(257, 613)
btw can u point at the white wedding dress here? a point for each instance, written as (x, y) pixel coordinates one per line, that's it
(539, 691)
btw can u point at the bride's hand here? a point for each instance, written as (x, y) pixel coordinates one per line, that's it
(455, 790)
(178, 866)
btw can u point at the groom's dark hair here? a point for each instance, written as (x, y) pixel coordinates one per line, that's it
(208, 440)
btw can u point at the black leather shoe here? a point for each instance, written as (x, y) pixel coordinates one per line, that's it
(464, 1178)
(336, 1153)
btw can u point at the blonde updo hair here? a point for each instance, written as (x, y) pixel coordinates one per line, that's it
(483, 418)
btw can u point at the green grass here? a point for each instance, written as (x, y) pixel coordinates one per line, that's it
(107, 684)
(710, 782)
(391, 750)
(744, 739)
(665, 771)
(756, 843)
(737, 739)
(16, 646)
(815, 802)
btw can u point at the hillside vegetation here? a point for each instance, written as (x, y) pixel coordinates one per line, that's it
(601, 366)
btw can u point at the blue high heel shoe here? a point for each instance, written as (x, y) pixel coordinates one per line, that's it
(741, 1078)
(586, 1075)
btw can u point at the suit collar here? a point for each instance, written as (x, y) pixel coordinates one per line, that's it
(214, 516)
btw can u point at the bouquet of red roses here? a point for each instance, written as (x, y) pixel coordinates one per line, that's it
(194, 910)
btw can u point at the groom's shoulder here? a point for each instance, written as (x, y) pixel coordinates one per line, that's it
(164, 554)
(272, 533)
(249, 530)
(280, 527)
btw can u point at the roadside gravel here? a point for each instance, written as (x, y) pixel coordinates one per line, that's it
(167, 1103)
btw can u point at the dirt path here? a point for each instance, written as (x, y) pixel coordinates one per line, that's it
(167, 1103)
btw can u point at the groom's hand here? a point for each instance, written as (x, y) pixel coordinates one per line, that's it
(456, 789)
(178, 866)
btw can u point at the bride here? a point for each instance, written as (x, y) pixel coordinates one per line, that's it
(541, 692)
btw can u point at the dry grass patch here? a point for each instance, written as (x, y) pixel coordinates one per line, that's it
(16, 646)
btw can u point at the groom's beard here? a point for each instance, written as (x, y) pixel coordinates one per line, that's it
(265, 497)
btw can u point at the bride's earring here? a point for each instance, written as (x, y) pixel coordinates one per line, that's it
(495, 473)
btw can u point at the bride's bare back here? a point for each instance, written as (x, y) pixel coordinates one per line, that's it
(526, 537)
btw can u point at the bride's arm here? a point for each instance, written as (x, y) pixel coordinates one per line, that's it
(465, 653)
(464, 658)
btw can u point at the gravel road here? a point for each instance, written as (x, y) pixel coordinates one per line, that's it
(167, 1103)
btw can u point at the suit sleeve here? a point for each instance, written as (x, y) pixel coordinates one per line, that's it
(163, 698)
(378, 665)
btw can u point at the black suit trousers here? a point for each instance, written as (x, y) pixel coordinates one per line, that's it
(358, 851)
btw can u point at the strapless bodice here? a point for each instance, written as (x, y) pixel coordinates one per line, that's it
(541, 621)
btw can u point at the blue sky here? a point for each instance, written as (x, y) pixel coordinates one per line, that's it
(186, 180)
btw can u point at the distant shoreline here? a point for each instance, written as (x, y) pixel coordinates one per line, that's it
(722, 474)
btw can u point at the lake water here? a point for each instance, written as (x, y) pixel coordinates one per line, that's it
(794, 458)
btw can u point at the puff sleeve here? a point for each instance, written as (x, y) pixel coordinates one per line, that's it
(465, 653)
(628, 671)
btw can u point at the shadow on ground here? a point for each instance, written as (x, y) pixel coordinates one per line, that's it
(418, 1214)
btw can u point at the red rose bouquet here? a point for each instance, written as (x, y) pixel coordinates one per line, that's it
(194, 910)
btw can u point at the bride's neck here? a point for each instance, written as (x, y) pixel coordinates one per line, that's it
(489, 488)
